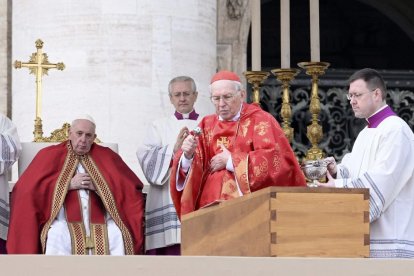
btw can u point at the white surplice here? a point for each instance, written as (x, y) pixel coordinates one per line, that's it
(10, 150)
(162, 227)
(382, 159)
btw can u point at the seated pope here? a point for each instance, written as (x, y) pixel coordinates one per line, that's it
(77, 197)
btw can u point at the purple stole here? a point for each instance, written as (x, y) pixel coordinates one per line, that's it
(377, 118)
(191, 116)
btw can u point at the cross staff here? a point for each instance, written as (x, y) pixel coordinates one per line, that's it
(39, 66)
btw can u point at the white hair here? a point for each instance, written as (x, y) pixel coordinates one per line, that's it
(237, 85)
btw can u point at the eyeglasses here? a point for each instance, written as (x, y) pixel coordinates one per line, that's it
(179, 94)
(356, 96)
(226, 98)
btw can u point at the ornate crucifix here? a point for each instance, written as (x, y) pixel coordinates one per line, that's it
(39, 65)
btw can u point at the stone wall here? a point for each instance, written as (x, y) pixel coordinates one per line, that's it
(119, 57)
(4, 61)
(233, 26)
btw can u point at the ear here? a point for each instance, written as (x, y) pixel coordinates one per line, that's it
(195, 96)
(378, 95)
(243, 94)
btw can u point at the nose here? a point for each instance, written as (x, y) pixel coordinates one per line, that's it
(222, 100)
(83, 138)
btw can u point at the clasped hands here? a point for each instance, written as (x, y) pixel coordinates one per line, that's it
(81, 181)
(218, 162)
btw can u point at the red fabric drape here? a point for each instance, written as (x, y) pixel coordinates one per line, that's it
(32, 199)
(261, 155)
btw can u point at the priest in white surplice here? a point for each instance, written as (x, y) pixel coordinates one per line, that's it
(164, 138)
(382, 159)
(10, 150)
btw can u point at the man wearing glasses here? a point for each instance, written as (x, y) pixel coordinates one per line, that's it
(241, 149)
(382, 159)
(164, 138)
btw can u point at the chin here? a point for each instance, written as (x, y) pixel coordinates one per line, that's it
(81, 152)
(358, 115)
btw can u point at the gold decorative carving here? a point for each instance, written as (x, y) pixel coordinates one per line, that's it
(314, 130)
(256, 78)
(285, 76)
(59, 135)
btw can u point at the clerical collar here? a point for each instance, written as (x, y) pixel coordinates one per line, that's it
(189, 116)
(235, 118)
(380, 116)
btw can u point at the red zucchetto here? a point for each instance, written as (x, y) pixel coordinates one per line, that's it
(225, 75)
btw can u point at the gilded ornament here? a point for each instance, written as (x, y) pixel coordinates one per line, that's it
(261, 128)
(223, 141)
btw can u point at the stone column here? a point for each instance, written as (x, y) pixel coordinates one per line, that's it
(119, 57)
(233, 31)
(4, 61)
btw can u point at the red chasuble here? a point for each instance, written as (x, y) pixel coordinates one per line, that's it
(41, 191)
(261, 156)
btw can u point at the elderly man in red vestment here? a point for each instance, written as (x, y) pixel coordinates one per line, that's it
(241, 149)
(77, 198)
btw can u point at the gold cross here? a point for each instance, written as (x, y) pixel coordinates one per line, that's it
(39, 66)
(223, 141)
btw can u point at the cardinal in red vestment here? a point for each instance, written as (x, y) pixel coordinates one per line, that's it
(241, 149)
(50, 198)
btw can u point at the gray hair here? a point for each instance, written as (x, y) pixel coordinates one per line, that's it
(182, 79)
(237, 85)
